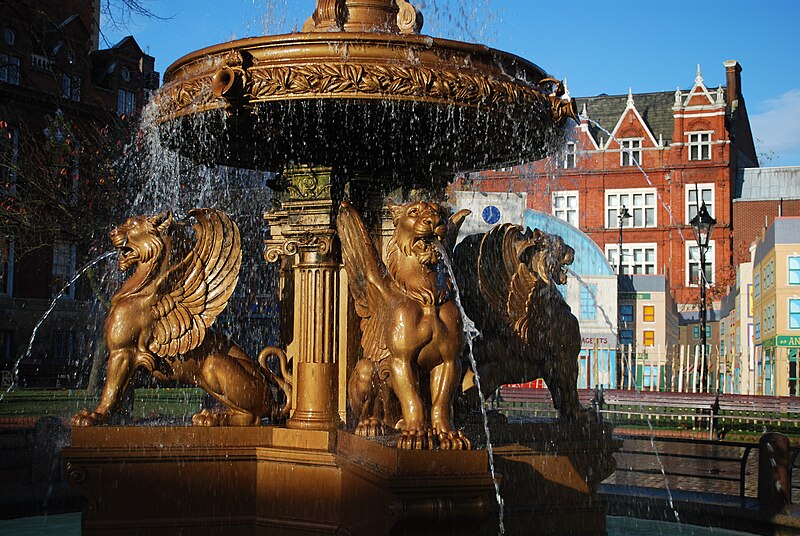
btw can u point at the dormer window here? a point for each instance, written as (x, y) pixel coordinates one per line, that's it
(699, 145)
(630, 152)
(569, 157)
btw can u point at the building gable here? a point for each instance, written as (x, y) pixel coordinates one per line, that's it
(631, 125)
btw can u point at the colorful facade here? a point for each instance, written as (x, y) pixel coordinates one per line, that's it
(776, 308)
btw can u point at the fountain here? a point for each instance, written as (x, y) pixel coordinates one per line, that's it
(357, 108)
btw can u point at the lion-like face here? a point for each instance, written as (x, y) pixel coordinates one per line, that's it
(419, 228)
(139, 239)
(553, 258)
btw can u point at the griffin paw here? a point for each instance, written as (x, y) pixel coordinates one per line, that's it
(206, 417)
(416, 440)
(454, 440)
(371, 427)
(88, 418)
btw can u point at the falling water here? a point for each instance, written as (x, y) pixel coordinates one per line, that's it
(471, 333)
(78, 274)
(647, 178)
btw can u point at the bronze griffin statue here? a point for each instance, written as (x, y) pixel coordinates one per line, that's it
(412, 329)
(160, 320)
(508, 280)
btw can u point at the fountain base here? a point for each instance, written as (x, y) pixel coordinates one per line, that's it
(269, 480)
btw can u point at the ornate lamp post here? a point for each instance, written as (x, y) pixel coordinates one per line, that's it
(702, 225)
(623, 215)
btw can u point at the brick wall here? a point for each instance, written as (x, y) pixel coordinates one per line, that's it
(750, 218)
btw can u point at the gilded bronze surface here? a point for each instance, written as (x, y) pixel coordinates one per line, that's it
(508, 279)
(160, 320)
(411, 326)
(360, 66)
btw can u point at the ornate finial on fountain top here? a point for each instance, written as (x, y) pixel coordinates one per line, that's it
(396, 16)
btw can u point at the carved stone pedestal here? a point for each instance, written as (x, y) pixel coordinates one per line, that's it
(302, 232)
(279, 481)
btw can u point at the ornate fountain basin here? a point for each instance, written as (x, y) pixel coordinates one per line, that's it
(387, 103)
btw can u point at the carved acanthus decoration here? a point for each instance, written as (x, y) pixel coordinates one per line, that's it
(329, 15)
(562, 107)
(409, 18)
(289, 245)
(370, 81)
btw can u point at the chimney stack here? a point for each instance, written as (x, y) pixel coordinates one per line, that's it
(733, 79)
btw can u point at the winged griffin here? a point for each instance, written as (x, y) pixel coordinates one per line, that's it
(411, 326)
(507, 278)
(160, 318)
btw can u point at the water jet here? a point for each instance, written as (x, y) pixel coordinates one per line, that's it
(357, 108)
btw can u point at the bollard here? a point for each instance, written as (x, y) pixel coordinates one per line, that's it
(774, 473)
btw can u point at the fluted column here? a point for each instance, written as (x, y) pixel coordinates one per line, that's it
(303, 229)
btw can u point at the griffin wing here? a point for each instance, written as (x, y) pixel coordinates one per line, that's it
(506, 281)
(195, 291)
(368, 280)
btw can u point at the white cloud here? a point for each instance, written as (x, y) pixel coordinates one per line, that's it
(776, 126)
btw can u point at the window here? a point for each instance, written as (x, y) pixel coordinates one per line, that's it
(626, 337)
(641, 204)
(756, 285)
(125, 74)
(722, 329)
(693, 265)
(66, 344)
(71, 86)
(695, 332)
(9, 159)
(696, 195)
(794, 270)
(708, 331)
(9, 69)
(126, 102)
(637, 259)
(6, 346)
(565, 206)
(649, 337)
(630, 152)
(649, 313)
(9, 36)
(794, 314)
(6, 266)
(699, 145)
(588, 305)
(569, 157)
(769, 275)
(63, 268)
(626, 312)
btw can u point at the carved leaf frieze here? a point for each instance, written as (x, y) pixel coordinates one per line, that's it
(391, 81)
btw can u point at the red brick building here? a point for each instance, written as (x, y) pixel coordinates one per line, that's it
(53, 73)
(762, 194)
(659, 155)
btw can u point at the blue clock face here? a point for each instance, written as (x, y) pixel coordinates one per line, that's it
(491, 214)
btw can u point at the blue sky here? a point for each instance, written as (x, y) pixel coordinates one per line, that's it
(599, 47)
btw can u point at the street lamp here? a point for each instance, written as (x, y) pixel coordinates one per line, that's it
(623, 215)
(703, 225)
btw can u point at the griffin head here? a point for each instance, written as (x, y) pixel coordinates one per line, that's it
(419, 228)
(140, 239)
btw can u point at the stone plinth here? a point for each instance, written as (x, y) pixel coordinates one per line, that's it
(267, 480)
